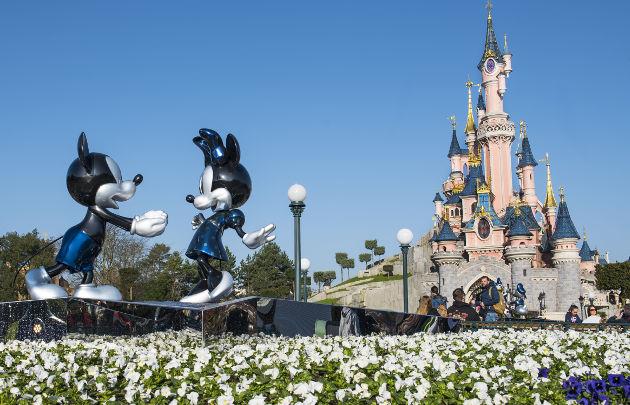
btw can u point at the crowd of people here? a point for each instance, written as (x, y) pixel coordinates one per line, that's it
(489, 306)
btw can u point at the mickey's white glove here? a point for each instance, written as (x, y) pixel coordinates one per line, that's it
(149, 224)
(257, 239)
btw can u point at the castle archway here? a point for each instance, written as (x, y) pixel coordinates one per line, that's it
(473, 289)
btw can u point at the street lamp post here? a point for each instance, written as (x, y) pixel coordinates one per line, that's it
(297, 195)
(591, 297)
(305, 264)
(405, 236)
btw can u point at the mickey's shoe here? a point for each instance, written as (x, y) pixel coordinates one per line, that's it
(40, 286)
(94, 292)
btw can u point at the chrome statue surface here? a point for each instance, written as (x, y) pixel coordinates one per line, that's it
(94, 180)
(224, 186)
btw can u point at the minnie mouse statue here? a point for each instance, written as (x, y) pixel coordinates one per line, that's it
(224, 186)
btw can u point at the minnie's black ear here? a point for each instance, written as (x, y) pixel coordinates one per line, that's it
(211, 144)
(233, 150)
(84, 152)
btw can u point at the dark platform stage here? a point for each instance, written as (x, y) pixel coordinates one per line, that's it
(53, 319)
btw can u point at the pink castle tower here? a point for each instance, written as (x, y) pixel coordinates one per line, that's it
(496, 131)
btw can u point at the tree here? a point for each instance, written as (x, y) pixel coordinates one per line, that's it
(379, 251)
(614, 276)
(14, 250)
(340, 257)
(365, 258)
(176, 277)
(268, 272)
(370, 245)
(120, 250)
(388, 269)
(324, 277)
(347, 264)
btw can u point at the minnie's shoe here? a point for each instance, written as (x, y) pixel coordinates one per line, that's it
(94, 292)
(223, 289)
(40, 286)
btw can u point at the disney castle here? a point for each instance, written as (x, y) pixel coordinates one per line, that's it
(486, 225)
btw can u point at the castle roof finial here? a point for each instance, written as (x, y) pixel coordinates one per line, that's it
(470, 121)
(523, 126)
(491, 48)
(506, 50)
(453, 121)
(550, 199)
(526, 157)
(561, 192)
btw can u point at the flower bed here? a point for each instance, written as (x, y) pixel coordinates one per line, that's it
(473, 367)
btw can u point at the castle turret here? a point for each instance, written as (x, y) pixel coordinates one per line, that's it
(447, 257)
(496, 131)
(587, 262)
(526, 166)
(481, 106)
(521, 249)
(455, 152)
(438, 201)
(566, 258)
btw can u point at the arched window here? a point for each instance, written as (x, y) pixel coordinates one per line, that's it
(443, 248)
(456, 212)
(522, 243)
(524, 272)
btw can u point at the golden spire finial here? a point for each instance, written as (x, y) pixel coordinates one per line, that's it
(470, 121)
(550, 199)
(453, 121)
(561, 194)
(517, 210)
(489, 7)
(445, 216)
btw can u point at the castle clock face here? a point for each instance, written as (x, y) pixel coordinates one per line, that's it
(483, 228)
(490, 65)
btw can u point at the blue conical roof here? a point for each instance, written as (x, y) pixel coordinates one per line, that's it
(481, 104)
(564, 224)
(438, 197)
(470, 186)
(586, 254)
(526, 155)
(454, 149)
(446, 233)
(518, 227)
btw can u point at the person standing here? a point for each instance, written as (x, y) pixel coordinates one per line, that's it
(489, 297)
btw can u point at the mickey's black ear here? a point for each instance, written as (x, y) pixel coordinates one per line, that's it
(233, 150)
(84, 152)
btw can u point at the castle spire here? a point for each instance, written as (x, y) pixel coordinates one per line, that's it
(564, 224)
(491, 47)
(470, 121)
(454, 149)
(526, 157)
(550, 199)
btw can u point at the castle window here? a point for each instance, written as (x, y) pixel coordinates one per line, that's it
(456, 212)
(524, 272)
(443, 248)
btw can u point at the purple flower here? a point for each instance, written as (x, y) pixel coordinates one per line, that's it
(573, 388)
(583, 401)
(543, 372)
(615, 380)
(626, 391)
(596, 386)
(601, 398)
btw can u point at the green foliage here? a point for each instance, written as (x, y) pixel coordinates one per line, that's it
(268, 272)
(14, 249)
(388, 269)
(371, 244)
(166, 276)
(340, 258)
(365, 258)
(614, 276)
(379, 251)
(330, 301)
(324, 277)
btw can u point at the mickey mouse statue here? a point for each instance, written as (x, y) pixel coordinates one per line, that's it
(224, 186)
(94, 180)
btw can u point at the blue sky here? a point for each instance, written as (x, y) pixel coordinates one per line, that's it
(350, 99)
